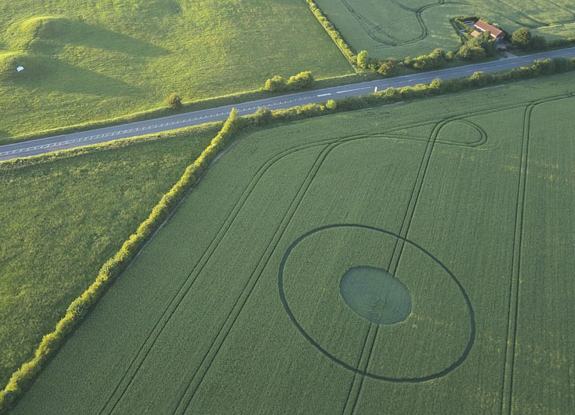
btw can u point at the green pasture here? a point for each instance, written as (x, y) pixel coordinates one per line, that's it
(461, 204)
(85, 61)
(63, 216)
(403, 28)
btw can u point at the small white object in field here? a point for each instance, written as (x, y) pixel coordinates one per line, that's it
(20, 68)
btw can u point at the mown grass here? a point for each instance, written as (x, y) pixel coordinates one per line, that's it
(85, 63)
(198, 324)
(62, 216)
(416, 27)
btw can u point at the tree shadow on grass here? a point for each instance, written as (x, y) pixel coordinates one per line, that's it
(83, 34)
(5, 137)
(63, 77)
(56, 32)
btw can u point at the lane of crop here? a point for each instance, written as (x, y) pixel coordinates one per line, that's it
(158, 125)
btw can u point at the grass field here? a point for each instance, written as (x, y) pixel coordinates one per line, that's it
(63, 216)
(414, 27)
(457, 212)
(116, 58)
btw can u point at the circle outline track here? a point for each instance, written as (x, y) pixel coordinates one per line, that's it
(419, 379)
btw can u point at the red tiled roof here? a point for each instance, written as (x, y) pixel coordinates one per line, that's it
(481, 25)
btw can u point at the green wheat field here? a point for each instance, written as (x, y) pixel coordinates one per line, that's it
(458, 212)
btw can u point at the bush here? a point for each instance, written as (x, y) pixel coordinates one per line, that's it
(262, 116)
(471, 53)
(174, 101)
(478, 79)
(363, 59)
(543, 67)
(275, 84)
(78, 308)
(435, 86)
(388, 67)
(300, 81)
(434, 60)
(331, 105)
(563, 64)
(521, 38)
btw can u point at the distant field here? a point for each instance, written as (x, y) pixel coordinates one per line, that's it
(85, 61)
(405, 259)
(401, 28)
(62, 217)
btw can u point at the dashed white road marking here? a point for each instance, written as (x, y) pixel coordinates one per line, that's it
(350, 90)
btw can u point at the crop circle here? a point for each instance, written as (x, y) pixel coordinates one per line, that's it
(450, 337)
(375, 294)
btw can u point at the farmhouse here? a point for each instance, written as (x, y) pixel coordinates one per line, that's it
(480, 26)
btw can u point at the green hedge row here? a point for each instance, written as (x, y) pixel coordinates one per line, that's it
(264, 116)
(332, 32)
(23, 377)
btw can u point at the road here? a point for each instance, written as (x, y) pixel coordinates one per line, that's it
(157, 125)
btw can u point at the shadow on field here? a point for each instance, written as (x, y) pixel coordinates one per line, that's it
(67, 78)
(4, 137)
(82, 34)
(51, 34)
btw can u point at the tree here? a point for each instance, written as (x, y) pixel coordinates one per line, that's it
(388, 67)
(277, 83)
(478, 78)
(300, 81)
(485, 42)
(521, 38)
(263, 116)
(363, 59)
(331, 104)
(435, 85)
(174, 101)
(468, 52)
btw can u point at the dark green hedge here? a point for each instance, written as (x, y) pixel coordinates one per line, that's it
(332, 32)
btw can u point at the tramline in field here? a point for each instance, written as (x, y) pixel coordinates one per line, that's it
(394, 260)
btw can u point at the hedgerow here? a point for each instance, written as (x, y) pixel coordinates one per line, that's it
(332, 32)
(478, 79)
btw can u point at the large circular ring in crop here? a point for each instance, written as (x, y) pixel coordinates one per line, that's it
(431, 336)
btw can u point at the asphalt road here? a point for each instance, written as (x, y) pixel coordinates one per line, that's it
(157, 125)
